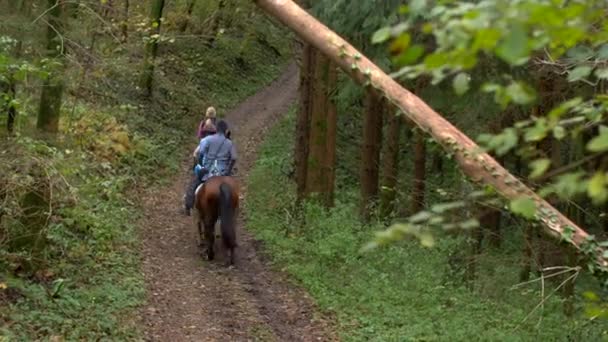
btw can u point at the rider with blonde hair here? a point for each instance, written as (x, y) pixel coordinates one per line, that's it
(207, 125)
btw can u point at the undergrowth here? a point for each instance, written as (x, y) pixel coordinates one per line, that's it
(403, 292)
(69, 243)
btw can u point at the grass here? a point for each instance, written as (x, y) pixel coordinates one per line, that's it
(403, 292)
(85, 281)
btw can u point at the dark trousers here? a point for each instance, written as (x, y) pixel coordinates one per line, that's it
(194, 183)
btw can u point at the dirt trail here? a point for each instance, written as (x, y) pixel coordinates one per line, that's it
(190, 299)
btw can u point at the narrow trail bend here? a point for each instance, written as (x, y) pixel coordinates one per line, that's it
(189, 299)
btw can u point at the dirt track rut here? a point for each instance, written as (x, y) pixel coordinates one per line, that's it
(189, 299)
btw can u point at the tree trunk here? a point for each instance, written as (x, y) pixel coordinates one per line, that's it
(152, 46)
(524, 274)
(419, 180)
(329, 166)
(390, 162)
(186, 22)
(303, 121)
(481, 167)
(216, 23)
(370, 152)
(124, 25)
(52, 87)
(318, 127)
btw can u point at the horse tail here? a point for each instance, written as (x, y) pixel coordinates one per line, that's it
(227, 217)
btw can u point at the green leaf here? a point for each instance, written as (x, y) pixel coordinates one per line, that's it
(602, 73)
(381, 35)
(603, 52)
(538, 132)
(435, 60)
(461, 83)
(579, 73)
(426, 239)
(486, 39)
(524, 206)
(520, 93)
(599, 143)
(411, 55)
(539, 167)
(596, 188)
(513, 49)
(420, 217)
(442, 207)
(469, 224)
(559, 132)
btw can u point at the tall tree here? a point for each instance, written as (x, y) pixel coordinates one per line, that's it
(188, 17)
(370, 152)
(390, 161)
(321, 154)
(329, 166)
(124, 24)
(156, 14)
(52, 87)
(303, 121)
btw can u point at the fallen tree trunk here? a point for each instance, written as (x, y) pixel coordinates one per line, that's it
(480, 167)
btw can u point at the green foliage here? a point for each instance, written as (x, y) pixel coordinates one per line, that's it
(69, 263)
(399, 292)
(536, 39)
(524, 206)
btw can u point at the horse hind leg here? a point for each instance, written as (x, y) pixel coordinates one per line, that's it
(201, 238)
(210, 237)
(230, 261)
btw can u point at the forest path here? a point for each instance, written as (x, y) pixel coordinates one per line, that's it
(189, 299)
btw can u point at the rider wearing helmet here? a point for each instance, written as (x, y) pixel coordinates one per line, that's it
(216, 156)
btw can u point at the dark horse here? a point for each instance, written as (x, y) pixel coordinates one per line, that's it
(217, 198)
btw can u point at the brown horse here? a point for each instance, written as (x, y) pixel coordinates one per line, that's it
(217, 198)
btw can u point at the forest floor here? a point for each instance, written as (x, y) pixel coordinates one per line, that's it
(190, 299)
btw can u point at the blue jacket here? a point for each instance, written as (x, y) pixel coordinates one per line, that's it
(216, 151)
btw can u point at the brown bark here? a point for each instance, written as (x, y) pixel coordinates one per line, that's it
(370, 152)
(321, 154)
(52, 87)
(152, 46)
(390, 162)
(318, 127)
(524, 274)
(419, 180)
(217, 21)
(481, 167)
(124, 25)
(303, 121)
(330, 145)
(189, 10)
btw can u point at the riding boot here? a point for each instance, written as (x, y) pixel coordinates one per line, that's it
(189, 198)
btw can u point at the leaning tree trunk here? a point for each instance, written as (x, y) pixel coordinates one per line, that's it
(480, 167)
(152, 46)
(370, 152)
(52, 87)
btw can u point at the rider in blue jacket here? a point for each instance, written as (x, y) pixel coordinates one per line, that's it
(216, 156)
